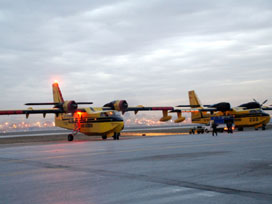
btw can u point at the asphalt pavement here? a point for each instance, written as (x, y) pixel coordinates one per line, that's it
(229, 168)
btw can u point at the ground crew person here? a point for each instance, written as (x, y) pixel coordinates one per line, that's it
(214, 129)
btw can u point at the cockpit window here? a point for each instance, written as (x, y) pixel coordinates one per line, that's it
(110, 114)
(255, 111)
(103, 115)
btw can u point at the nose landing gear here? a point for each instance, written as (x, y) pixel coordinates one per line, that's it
(71, 136)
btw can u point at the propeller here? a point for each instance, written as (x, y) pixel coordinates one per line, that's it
(261, 104)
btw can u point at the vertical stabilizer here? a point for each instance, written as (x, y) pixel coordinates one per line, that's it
(57, 96)
(195, 103)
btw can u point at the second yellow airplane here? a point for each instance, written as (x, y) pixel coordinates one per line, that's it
(246, 115)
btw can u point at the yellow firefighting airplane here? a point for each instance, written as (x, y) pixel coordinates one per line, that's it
(246, 115)
(105, 121)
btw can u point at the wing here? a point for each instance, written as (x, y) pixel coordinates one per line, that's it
(29, 111)
(266, 108)
(65, 107)
(165, 110)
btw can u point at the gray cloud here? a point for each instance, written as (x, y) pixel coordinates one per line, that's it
(148, 52)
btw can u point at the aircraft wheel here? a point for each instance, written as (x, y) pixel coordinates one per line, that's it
(240, 128)
(104, 137)
(117, 136)
(256, 129)
(114, 136)
(70, 137)
(263, 127)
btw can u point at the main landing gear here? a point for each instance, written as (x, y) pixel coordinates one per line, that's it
(263, 127)
(116, 136)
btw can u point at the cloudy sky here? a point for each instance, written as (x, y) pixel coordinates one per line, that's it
(147, 52)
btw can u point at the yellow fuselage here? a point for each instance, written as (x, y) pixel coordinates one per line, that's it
(92, 121)
(242, 118)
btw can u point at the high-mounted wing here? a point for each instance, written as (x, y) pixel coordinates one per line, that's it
(165, 110)
(122, 106)
(65, 107)
(223, 106)
(29, 111)
(266, 108)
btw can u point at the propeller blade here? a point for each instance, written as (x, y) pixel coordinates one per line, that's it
(264, 102)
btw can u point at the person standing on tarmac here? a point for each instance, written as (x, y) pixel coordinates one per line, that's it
(214, 129)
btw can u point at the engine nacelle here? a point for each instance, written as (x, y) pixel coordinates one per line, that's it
(69, 106)
(251, 105)
(223, 106)
(119, 105)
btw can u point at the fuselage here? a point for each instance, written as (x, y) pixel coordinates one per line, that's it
(92, 121)
(242, 118)
(250, 118)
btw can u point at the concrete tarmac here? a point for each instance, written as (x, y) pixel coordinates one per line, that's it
(234, 168)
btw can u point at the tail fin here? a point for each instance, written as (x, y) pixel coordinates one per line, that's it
(57, 96)
(194, 101)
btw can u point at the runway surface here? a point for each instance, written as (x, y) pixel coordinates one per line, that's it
(60, 131)
(168, 169)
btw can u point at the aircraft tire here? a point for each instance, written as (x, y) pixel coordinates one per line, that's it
(263, 127)
(240, 128)
(70, 137)
(104, 137)
(117, 136)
